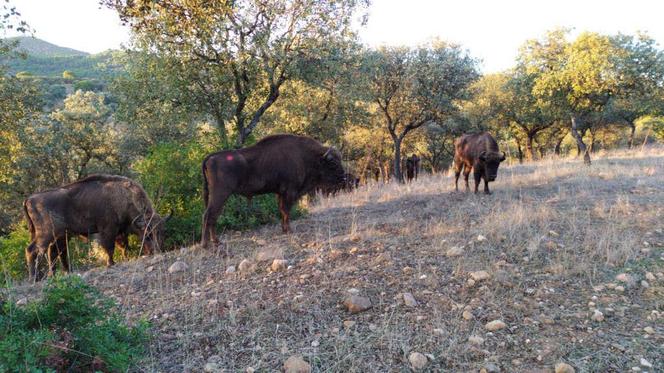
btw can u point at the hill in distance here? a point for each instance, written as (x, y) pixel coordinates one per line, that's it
(41, 48)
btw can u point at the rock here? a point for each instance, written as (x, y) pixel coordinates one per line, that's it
(620, 288)
(564, 368)
(480, 238)
(250, 370)
(597, 316)
(650, 276)
(470, 282)
(279, 265)
(246, 266)
(22, 302)
(230, 269)
(409, 300)
(178, 266)
(495, 325)
(645, 284)
(454, 251)
(475, 340)
(149, 269)
(645, 363)
(490, 368)
(417, 360)
(626, 279)
(649, 330)
(467, 315)
(295, 364)
(349, 324)
(438, 331)
(212, 368)
(356, 303)
(480, 275)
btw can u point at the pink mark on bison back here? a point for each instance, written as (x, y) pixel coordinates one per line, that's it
(229, 157)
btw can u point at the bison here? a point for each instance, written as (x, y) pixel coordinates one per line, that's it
(109, 207)
(412, 167)
(287, 165)
(477, 152)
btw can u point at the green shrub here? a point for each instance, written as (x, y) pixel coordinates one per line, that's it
(12, 253)
(72, 328)
(171, 175)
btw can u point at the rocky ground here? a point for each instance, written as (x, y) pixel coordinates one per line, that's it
(561, 269)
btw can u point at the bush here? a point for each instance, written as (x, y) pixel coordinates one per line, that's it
(72, 328)
(12, 252)
(171, 175)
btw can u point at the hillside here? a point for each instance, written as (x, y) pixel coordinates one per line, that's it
(569, 258)
(48, 60)
(41, 48)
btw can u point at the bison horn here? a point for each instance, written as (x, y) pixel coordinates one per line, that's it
(483, 156)
(328, 153)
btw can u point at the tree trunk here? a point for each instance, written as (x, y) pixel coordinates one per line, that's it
(579, 141)
(530, 153)
(397, 160)
(632, 130)
(519, 151)
(559, 144)
(593, 147)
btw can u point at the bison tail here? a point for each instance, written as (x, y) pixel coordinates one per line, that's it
(206, 191)
(31, 225)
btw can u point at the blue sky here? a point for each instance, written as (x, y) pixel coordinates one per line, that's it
(491, 30)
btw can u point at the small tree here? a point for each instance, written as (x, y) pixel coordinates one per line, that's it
(415, 87)
(68, 75)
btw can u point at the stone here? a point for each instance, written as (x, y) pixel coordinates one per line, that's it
(495, 325)
(645, 363)
(467, 315)
(279, 265)
(650, 276)
(178, 266)
(620, 288)
(475, 340)
(22, 302)
(480, 238)
(356, 303)
(230, 269)
(349, 324)
(563, 368)
(597, 316)
(409, 300)
(626, 279)
(213, 368)
(454, 251)
(645, 284)
(246, 266)
(295, 364)
(417, 360)
(490, 368)
(649, 330)
(480, 275)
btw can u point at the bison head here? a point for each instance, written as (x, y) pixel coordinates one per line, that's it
(331, 170)
(491, 161)
(152, 226)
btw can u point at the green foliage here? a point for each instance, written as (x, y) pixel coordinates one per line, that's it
(12, 249)
(68, 75)
(89, 85)
(171, 175)
(72, 328)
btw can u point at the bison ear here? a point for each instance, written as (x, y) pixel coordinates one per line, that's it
(483, 156)
(503, 157)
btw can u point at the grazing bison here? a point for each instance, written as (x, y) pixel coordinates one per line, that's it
(351, 182)
(412, 167)
(287, 165)
(477, 152)
(109, 207)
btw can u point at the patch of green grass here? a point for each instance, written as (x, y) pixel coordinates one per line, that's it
(72, 328)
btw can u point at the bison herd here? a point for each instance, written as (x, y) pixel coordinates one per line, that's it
(109, 208)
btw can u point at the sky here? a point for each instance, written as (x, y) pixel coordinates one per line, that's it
(491, 30)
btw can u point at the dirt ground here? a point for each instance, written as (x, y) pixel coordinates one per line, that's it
(572, 258)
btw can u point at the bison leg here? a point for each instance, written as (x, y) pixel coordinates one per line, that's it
(285, 204)
(466, 174)
(53, 253)
(63, 253)
(122, 243)
(212, 212)
(31, 253)
(457, 172)
(478, 176)
(107, 243)
(486, 187)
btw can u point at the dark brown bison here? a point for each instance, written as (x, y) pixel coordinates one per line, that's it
(477, 152)
(287, 165)
(351, 182)
(106, 206)
(412, 167)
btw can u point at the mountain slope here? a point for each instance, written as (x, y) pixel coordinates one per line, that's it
(42, 48)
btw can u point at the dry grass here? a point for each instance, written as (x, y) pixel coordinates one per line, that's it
(557, 233)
